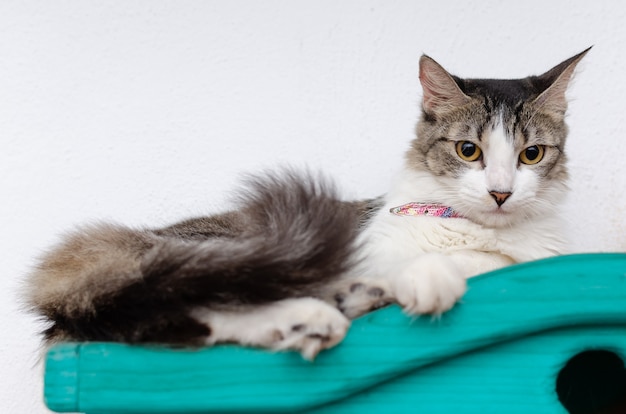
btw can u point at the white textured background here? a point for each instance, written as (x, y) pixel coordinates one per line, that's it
(145, 112)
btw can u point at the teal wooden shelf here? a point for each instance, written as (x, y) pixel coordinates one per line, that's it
(498, 351)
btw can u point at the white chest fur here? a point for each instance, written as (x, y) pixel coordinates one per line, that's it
(475, 248)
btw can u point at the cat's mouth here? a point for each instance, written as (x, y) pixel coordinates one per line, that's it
(498, 213)
(497, 217)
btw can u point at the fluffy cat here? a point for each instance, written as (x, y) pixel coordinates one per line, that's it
(292, 264)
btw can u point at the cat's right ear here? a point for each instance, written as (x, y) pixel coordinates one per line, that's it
(441, 92)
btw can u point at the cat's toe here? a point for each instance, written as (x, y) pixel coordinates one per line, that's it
(359, 297)
(311, 327)
(429, 285)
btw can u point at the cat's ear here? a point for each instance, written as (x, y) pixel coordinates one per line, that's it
(441, 92)
(556, 81)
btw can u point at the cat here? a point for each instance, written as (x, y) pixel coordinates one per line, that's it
(292, 263)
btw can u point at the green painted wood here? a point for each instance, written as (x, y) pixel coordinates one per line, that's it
(534, 314)
(517, 377)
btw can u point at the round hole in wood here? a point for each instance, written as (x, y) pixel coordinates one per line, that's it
(593, 382)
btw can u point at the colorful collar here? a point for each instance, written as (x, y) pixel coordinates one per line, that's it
(423, 209)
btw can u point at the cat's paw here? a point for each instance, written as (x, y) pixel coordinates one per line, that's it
(430, 284)
(358, 297)
(306, 325)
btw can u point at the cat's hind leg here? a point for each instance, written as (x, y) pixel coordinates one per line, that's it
(306, 325)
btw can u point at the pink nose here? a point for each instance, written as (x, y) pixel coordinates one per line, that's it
(500, 197)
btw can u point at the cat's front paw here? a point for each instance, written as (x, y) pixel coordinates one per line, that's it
(430, 284)
(357, 297)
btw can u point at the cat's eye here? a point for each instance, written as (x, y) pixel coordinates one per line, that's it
(532, 155)
(468, 151)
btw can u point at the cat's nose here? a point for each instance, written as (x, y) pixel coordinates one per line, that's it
(500, 197)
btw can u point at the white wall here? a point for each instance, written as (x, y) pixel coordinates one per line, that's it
(145, 112)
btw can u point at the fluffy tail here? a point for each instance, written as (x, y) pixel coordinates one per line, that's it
(112, 283)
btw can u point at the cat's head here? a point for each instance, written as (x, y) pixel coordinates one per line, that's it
(495, 147)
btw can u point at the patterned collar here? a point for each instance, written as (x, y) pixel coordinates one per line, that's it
(425, 209)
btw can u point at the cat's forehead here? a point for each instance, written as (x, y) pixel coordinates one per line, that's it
(504, 105)
(499, 93)
(519, 125)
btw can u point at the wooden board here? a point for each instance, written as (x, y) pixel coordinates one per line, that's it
(497, 351)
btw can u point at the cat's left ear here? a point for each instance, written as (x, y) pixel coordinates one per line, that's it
(557, 80)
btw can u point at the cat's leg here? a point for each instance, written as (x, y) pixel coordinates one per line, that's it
(430, 283)
(306, 325)
(473, 263)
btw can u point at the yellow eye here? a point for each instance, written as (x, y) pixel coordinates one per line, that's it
(532, 155)
(468, 151)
